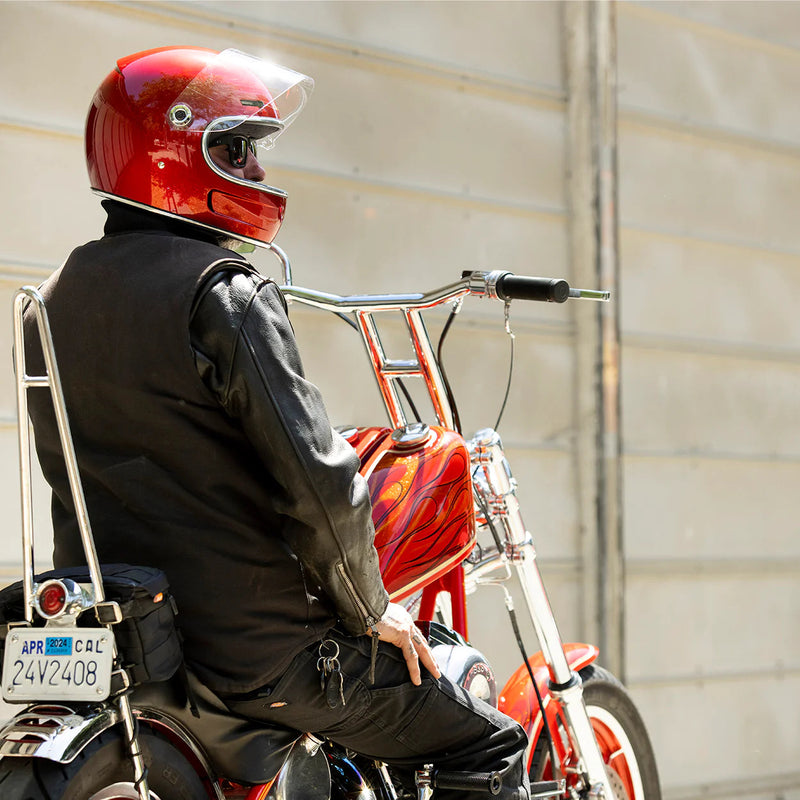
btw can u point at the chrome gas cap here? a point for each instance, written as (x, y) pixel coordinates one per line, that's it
(411, 436)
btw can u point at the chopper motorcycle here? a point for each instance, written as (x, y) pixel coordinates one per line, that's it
(101, 720)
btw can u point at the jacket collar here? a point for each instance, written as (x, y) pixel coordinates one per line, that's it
(123, 218)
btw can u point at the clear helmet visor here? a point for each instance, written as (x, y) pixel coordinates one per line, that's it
(240, 104)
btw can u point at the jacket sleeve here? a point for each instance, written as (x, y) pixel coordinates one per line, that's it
(247, 355)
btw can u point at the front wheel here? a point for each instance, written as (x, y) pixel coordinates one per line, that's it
(102, 771)
(620, 733)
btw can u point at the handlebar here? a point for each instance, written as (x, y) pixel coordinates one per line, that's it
(425, 363)
(497, 284)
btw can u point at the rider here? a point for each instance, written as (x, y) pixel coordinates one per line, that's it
(203, 449)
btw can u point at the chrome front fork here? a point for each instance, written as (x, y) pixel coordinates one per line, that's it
(496, 485)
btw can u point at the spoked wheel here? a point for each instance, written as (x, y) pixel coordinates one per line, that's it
(621, 735)
(102, 771)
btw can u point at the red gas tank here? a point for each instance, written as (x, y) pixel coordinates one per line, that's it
(422, 507)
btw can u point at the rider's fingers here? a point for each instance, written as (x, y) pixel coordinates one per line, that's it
(428, 660)
(425, 654)
(412, 662)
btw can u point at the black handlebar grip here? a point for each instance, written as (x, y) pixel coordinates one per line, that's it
(489, 782)
(521, 287)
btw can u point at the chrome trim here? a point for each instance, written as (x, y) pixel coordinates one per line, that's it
(424, 783)
(483, 572)
(478, 284)
(383, 773)
(132, 745)
(488, 281)
(28, 296)
(305, 773)
(55, 732)
(377, 302)
(286, 265)
(590, 294)
(412, 435)
(180, 115)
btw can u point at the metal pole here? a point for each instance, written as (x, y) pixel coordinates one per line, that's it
(612, 565)
(589, 32)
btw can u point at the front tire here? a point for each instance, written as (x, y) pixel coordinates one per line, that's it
(621, 735)
(104, 772)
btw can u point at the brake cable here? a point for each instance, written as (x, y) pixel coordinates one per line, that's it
(447, 388)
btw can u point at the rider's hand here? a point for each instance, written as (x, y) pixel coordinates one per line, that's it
(398, 628)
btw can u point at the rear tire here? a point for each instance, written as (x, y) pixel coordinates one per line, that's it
(621, 734)
(101, 765)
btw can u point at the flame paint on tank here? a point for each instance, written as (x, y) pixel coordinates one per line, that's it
(422, 505)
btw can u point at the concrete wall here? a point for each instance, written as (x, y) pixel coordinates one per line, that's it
(709, 167)
(435, 142)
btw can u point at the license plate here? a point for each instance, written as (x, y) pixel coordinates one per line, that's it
(62, 664)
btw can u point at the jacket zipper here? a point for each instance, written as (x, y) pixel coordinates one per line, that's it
(369, 620)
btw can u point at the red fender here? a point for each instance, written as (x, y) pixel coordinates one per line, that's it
(518, 699)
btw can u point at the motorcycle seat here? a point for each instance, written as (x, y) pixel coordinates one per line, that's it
(239, 749)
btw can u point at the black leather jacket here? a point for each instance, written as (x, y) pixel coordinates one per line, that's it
(203, 449)
(246, 354)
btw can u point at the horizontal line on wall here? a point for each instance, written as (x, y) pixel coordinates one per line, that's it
(661, 16)
(682, 235)
(314, 45)
(30, 126)
(755, 567)
(761, 787)
(730, 138)
(360, 182)
(16, 271)
(710, 347)
(734, 246)
(708, 455)
(773, 673)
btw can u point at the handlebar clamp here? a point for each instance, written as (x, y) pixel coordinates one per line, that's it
(485, 283)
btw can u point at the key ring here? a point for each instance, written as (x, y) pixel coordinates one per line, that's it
(322, 655)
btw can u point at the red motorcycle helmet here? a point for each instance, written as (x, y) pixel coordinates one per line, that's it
(154, 118)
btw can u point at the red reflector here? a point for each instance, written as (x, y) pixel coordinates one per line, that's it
(53, 598)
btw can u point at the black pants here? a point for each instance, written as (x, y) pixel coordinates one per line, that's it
(394, 721)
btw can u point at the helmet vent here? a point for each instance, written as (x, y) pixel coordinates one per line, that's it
(180, 115)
